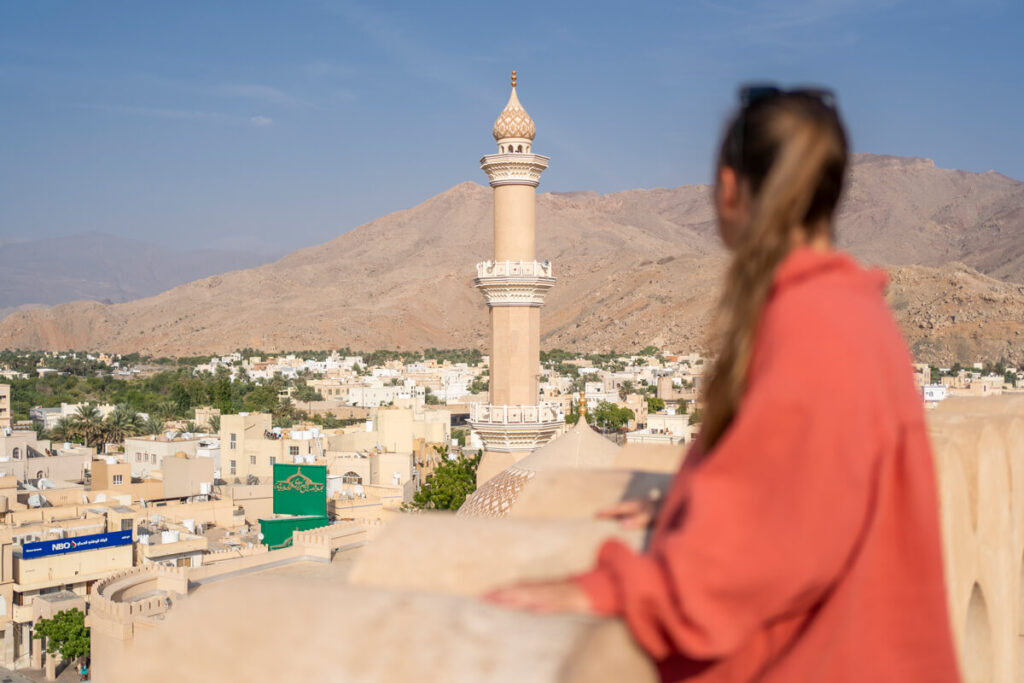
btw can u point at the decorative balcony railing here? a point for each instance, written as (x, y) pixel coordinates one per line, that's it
(514, 283)
(482, 414)
(513, 269)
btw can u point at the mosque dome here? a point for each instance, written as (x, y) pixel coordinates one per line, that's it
(514, 122)
(579, 448)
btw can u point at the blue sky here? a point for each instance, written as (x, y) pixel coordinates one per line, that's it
(196, 123)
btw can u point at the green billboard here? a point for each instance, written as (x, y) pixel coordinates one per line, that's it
(277, 533)
(300, 490)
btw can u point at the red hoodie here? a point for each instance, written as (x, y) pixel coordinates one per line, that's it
(805, 546)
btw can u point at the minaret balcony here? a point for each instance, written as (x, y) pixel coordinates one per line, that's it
(514, 169)
(514, 283)
(518, 428)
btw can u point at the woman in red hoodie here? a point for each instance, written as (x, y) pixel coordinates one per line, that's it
(800, 540)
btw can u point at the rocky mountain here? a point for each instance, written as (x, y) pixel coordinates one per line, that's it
(633, 267)
(103, 268)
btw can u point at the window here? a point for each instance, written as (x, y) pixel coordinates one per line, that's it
(138, 457)
(234, 467)
(16, 453)
(273, 461)
(293, 450)
(152, 458)
(118, 479)
(252, 459)
(351, 478)
(234, 440)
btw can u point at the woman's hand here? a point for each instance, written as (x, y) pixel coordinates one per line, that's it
(542, 596)
(631, 514)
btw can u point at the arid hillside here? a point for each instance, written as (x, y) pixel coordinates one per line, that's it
(105, 268)
(633, 268)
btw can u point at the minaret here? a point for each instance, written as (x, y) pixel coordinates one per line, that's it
(514, 284)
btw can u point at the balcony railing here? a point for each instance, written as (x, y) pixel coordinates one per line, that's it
(514, 415)
(514, 269)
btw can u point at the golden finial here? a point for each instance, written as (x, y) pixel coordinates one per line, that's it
(513, 78)
(583, 404)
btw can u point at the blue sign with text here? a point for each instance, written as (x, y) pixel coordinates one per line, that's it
(71, 545)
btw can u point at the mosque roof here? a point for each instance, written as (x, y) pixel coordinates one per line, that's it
(514, 122)
(579, 448)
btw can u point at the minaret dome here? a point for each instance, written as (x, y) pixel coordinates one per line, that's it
(514, 130)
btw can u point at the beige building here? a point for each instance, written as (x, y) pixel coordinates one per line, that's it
(187, 477)
(6, 417)
(25, 458)
(204, 416)
(514, 284)
(395, 430)
(146, 454)
(110, 474)
(250, 446)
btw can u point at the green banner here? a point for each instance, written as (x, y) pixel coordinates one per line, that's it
(277, 533)
(300, 490)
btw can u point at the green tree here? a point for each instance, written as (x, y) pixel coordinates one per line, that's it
(451, 482)
(611, 417)
(305, 393)
(65, 633)
(64, 430)
(654, 404)
(152, 426)
(120, 423)
(649, 351)
(1010, 378)
(626, 388)
(166, 410)
(88, 423)
(214, 424)
(696, 416)
(430, 398)
(459, 436)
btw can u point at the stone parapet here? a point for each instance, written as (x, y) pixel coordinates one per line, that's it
(979, 463)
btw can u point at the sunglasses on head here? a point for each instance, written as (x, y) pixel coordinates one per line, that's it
(759, 92)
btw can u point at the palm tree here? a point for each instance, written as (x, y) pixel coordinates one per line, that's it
(152, 426)
(166, 410)
(191, 427)
(88, 423)
(122, 422)
(64, 430)
(215, 424)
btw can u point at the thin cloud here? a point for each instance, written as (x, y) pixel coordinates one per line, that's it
(263, 93)
(261, 121)
(159, 112)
